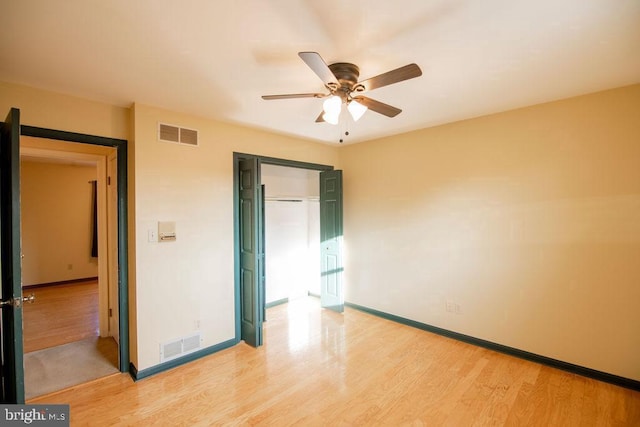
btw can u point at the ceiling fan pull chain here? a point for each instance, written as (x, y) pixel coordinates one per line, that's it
(344, 131)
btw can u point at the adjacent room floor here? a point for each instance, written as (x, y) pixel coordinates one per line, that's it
(61, 339)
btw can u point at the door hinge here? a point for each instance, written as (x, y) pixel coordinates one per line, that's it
(108, 180)
(110, 312)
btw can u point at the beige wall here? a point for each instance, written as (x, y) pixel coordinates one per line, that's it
(57, 220)
(190, 282)
(528, 221)
(62, 112)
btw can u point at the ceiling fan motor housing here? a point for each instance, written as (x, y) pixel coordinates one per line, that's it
(347, 75)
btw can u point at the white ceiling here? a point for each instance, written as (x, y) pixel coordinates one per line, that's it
(216, 58)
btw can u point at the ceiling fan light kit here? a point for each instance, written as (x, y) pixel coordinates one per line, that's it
(332, 108)
(356, 109)
(341, 80)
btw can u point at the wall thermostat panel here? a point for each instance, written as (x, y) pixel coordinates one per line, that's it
(166, 231)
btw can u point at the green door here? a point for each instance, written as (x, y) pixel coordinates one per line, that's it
(331, 293)
(262, 254)
(11, 330)
(250, 212)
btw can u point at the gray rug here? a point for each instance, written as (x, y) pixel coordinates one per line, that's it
(57, 368)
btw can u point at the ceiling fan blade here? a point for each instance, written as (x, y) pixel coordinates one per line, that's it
(317, 64)
(378, 107)
(394, 76)
(294, 95)
(320, 119)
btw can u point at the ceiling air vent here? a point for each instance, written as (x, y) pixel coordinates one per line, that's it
(171, 133)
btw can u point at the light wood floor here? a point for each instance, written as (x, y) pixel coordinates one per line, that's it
(322, 368)
(61, 314)
(64, 314)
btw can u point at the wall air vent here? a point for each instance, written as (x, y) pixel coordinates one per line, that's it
(176, 134)
(179, 347)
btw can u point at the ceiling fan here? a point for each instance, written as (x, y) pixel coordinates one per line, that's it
(341, 80)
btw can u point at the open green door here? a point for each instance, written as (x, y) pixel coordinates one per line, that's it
(262, 253)
(250, 212)
(331, 292)
(11, 328)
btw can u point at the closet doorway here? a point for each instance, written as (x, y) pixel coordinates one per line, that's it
(292, 233)
(250, 236)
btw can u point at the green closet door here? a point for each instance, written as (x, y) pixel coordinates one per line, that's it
(250, 253)
(331, 292)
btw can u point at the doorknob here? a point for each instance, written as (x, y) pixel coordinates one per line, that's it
(17, 302)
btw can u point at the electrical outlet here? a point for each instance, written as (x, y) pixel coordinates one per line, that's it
(152, 235)
(450, 306)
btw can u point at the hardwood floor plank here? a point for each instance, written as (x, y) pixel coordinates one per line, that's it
(61, 314)
(322, 368)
